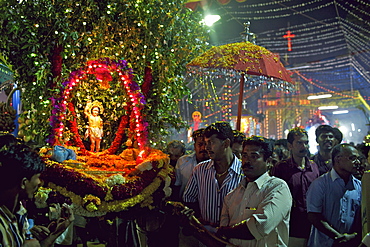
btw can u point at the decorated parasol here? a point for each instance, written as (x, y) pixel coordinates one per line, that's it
(251, 62)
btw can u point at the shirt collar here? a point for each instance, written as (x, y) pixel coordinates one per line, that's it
(235, 166)
(307, 161)
(334, 176)
(259, 181)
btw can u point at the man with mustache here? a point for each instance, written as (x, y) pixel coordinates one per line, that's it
(299, 172)
(211, 180)
(257, 212)
(327, 137)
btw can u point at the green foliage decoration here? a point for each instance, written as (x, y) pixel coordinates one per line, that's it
(45, 40)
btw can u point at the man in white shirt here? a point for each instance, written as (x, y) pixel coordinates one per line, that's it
(257, 212)
(186, 163)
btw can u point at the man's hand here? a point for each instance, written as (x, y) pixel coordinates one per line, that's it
(40, 232)
(60, 225)
(342, 239)
(239, 230)
(188, 212)
(57, 227)
(223, 232)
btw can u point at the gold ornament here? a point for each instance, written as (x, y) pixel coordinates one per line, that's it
(90, 105)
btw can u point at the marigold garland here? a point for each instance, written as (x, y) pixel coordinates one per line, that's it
(99, 194)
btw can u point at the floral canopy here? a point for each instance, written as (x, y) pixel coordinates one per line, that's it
(241, 59)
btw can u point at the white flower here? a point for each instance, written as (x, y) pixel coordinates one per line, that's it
(145, 166)
(167, 189)
(115, 179)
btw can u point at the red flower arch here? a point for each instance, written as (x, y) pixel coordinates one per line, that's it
(103, 70)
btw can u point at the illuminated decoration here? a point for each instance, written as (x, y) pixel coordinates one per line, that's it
(320, 39)
(194, 4)
(289, 36)
(254, 15)
(103, 69)
(340, 112)
(320, 96)
(246, 61)
(329, 107)
(146, 33)
(209, 20)
(102, 182)
(248, 125)
(227, 106)
(326, 89)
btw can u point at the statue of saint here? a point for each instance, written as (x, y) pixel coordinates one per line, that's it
(196, 124)
(95, 128)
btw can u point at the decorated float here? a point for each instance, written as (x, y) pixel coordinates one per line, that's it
(125, 174)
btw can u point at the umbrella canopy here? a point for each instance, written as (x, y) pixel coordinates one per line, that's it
(244, 58)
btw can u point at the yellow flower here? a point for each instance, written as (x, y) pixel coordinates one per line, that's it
(91, 207)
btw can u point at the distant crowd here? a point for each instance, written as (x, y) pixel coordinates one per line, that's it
(263, 192)
(230, 191)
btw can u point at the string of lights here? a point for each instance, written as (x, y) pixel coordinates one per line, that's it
(363, 2)
(353, 14)
(265, 11)
(304, 26)
(242, 15)
(310, 81)
(358, 30)
(259, 5)
(301, 35)
(357, 9)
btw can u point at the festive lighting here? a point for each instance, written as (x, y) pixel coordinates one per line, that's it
(209, 20)
(133, 90)
(321, 96)
(340, 112)
(252, 15)
(289, 37)
(333, 107)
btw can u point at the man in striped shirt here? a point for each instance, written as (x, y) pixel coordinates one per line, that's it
(20, 170)
(211, 180)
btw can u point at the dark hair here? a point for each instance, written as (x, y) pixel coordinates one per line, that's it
(337, 149)
(297, 131)
(279, 152)
(266, 145)
(198, 133)
(282, 142)
(338, 134)
(221, 129)
(8, 139)
(239, 136)
(364, 149)
(18, 161)
(176, 144)
(323, 129)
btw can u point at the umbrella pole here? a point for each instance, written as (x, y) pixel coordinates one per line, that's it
(241, 91)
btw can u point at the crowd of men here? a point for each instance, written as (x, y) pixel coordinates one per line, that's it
(261, 195)
(244, 191)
